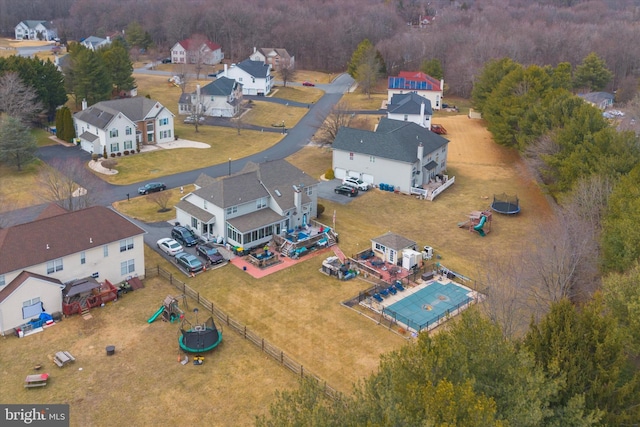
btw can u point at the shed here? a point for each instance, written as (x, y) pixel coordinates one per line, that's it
(389, 247)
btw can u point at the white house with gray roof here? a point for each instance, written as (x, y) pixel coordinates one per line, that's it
(123, 125)
(248, 208)
(398, 153)
(255, 76)
(35, 30)
(220, 98)
(94, 43)
(410, 107)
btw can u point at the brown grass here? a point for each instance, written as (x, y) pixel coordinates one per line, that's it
(308, 95)
(143, 381)
(145, 209)
(13, 194)
(268, 113)
(360, 101)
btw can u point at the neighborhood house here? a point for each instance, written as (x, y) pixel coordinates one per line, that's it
(410, 107)
(35, 30)
(398, 154)
(220, 98)
(195, 51)
(94, 43)
(255, 76)
(38, 259)
(248, 208)
(419, 83)
(275, 57)
(113, 127)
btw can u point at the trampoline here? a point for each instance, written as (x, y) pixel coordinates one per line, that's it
(200, 338)
(505, 204)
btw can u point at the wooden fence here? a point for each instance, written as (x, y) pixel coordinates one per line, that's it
(266, 347)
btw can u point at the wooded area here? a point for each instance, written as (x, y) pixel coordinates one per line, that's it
(322, 35)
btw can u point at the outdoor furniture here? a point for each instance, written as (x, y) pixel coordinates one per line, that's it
(36, 380)
(377, 297)
(384, 292)
(392, 290)
(399, 286)
(61, 358)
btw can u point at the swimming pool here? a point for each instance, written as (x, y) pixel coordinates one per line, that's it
(426, 306)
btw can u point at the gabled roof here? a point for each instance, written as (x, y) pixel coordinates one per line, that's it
(42, 240)
(32, 24)
(394, 241)
(21, 278)
(88, 136)
(409, 103)
(274, 178)
(414, 80)
(219, 87)
(94, 41)
(597, 97)
(393, 139)
(135, 109)
(273, 51)
(256, 69)
(52, 209)
(195, 44)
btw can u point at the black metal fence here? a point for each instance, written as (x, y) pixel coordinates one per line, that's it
(266, 347)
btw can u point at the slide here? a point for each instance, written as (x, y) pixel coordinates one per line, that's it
(478, 227)
(156, 314)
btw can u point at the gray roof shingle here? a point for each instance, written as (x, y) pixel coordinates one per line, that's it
(135, 109)
(257, 69)
(409, 103)
(393, 139)
(394, 241)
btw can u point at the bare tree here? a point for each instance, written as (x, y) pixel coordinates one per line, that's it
(161, 198)
(199, 53)
(18, 99)
(338, 117)
(287, 72)
(59, 184)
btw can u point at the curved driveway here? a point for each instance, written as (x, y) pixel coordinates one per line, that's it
(296, 138)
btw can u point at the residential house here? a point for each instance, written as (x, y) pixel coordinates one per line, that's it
(35, 30)
(410, 107)
(417, 82)
(390, 247)
(601, 100)
(248, 208)
(220, 98)
(122, 125)
(39, 257)
(196, 51)
(398, 153)
(255, 76)
(94, 43)
(275, 57)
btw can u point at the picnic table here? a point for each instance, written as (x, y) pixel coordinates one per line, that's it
(36, 380)
(62, 358)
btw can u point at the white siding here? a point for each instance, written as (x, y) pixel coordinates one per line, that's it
(49, 293)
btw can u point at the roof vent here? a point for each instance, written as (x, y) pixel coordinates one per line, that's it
(278, 193)
(90, 239)
(47, 246)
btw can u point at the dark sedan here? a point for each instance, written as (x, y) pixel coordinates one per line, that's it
(346, 190)
(210, 254)
(189, 262)
(152, 187)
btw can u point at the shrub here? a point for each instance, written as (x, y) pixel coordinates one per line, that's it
(138, 150)
(320, 210)
(94, 157)
(113, 154)
(109, 164)
(126, 152)
(329, 174)
(119, 154)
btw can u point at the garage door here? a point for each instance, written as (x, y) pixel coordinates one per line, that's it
(367, 178)
(86, 146)
(340, 173)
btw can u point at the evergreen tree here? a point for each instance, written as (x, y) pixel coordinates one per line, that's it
(119, 65)
(492, 74)
(592, 74)
(64, 125)
(87, 77)
(433, 68)
(366, 53)
(17, 144)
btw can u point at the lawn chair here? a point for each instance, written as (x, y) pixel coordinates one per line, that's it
(398, 286)
(392, 290)
(384, 292)
(377, 297)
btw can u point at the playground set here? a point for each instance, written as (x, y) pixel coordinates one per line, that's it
(169, 311)
(479, 222)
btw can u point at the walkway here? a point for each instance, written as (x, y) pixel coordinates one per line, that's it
(285, 262)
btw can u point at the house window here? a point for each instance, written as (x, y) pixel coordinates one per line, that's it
(149, 126)
(406, 117)
(113, 133)
(350, 156)
(128, 145)
(31, 301)
(372, 159)
(128, 130)
(380, 247)
(2, 280)
(126, 244)
(55, 265)
(232, 210)
(261, 203)
(239, 79)
(194, 222)
(127, 267)
(83, 257)
(309, 191)
(164, 122)
(444, 149)
(105, 250)
(115, 147)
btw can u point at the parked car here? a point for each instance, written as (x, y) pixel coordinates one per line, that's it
(189, 262)
(152, 187)
(352, 181)
(166, 61)
(209, 253)
(305, 83)
(184, 235)
(347, 190)
(169, 246)
(192, 119)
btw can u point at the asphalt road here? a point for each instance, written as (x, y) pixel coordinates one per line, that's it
(105, 193)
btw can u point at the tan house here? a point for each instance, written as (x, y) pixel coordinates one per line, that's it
(275, 57)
